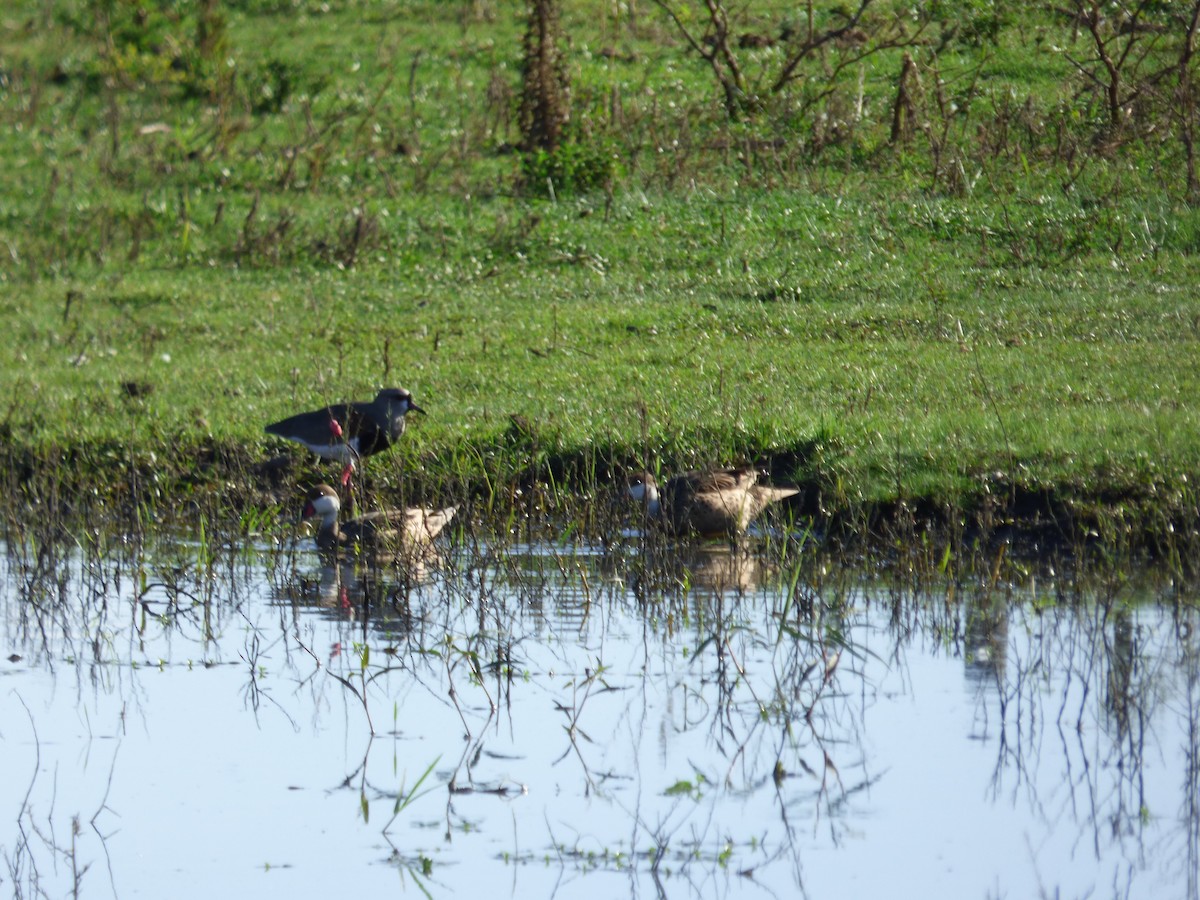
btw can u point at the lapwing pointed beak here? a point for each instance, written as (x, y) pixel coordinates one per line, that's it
(412, 407)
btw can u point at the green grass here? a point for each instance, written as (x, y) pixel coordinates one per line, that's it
(330, 206)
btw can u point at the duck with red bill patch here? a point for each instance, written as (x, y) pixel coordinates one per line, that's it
(349, 432)
(404, 531)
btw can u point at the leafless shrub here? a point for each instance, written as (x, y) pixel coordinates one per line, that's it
(1122, 40)
(814, 58)
(360, 234)
(259, 241)
(1184, 94)
(498, 105)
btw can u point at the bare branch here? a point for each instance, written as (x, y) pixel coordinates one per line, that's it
(815, 42)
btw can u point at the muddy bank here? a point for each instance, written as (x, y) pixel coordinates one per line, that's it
(507, 479)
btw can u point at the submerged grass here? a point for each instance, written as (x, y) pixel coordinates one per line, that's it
(772, 647)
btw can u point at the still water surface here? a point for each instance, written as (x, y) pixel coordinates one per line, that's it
(175, 722)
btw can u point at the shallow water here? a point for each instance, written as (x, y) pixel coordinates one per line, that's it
(189, 723)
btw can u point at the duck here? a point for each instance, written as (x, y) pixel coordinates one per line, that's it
(350, 432)
(706, 502)
(403, 530)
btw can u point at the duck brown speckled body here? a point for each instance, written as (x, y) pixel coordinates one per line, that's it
(398, 530)
(710, 502)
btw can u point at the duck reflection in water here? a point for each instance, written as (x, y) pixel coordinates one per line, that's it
(667, 567)
(382, 597)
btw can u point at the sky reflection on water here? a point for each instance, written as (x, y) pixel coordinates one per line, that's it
(594, 729)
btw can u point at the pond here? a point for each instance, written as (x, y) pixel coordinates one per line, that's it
(197, 718)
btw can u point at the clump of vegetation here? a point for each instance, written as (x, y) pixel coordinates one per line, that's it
(570, 169)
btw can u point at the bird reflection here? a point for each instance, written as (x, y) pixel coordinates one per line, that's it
(715, 568)
(986, 636)
(332, 589)
(352, 590)
(720, 568)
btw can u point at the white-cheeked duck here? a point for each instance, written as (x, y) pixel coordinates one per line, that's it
(398, 530)
(709, 502)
